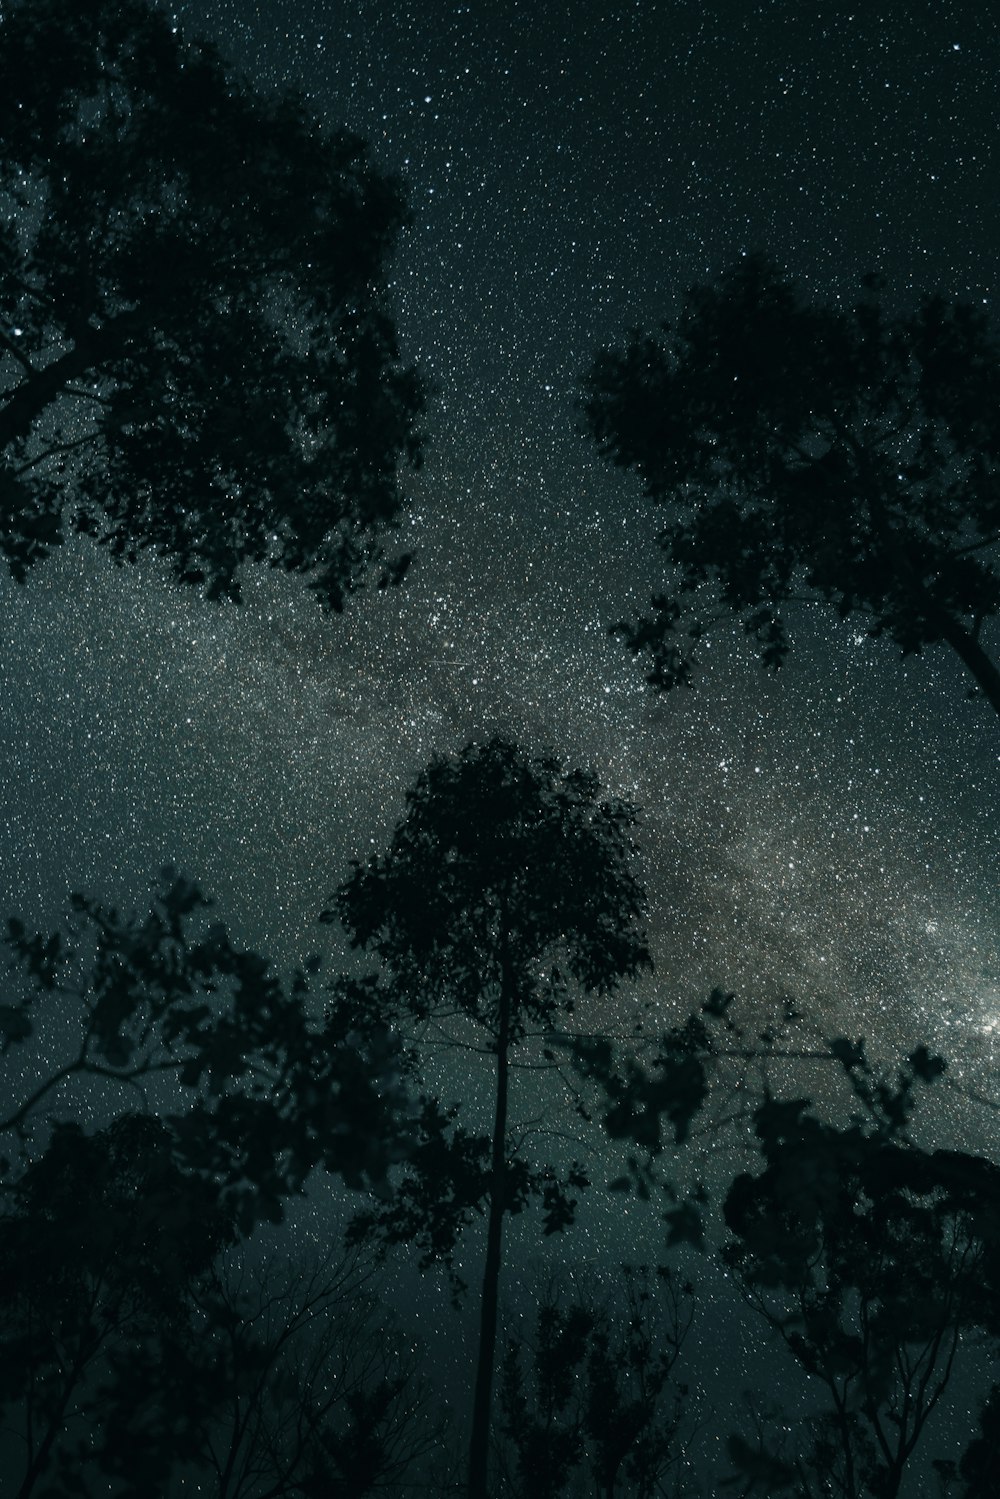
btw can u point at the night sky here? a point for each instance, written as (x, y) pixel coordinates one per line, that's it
(572, 168)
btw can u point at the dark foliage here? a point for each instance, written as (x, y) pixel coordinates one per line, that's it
(289, 1378)
(980, 1462)
(446, 1187)
(269, 1094)
(504, 862)
(134, 1343)
(196, 356)
(589, 1397)
(848, 456)
(101, 1243)
(507, 888)
(870, 1258)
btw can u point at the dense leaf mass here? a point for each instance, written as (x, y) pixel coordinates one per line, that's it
(268, 1093)
(871, 1259)
(503, 860)
(798, 451)
(196, 354)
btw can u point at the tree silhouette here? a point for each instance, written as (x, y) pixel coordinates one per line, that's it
(590, 1392)
(539, 1406)
(196, 356)
(288, 1377)
(506, 888)
(267, 1092)
(100, 1243)
(870, 1258)
(980, 1462)
(802, 451)
(136, 1341)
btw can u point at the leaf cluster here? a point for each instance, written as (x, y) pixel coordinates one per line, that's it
(871, 1258)
(269, 1093)
(846, 455)
(444, 1188)
(503, 862)
(196, 352)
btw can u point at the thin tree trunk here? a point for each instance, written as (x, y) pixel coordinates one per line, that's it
(975, 659)
(479, 1444)
(39, 1459)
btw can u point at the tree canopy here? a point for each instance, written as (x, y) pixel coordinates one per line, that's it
(872, 1258)
(504, 864)
(196, 352)
(800, 451)
(507, 887)
(267, 1092)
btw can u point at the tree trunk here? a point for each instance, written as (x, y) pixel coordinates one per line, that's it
(479, 1443)
(975, 659)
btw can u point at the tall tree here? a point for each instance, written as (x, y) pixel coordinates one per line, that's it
(196, 353)
(507, 887)
(846, 456)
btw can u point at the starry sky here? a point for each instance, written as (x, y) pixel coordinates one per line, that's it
(572, 168)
